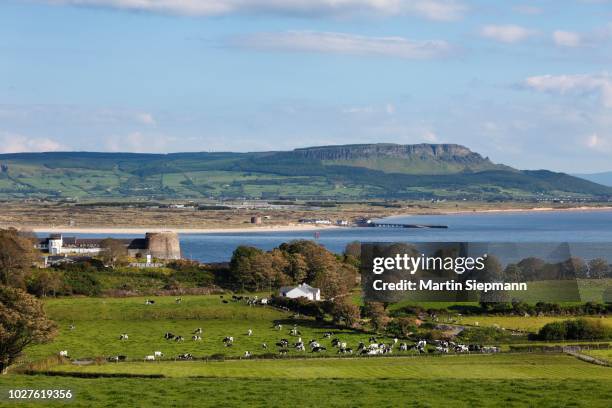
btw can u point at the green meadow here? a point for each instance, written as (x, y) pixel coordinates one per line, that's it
(401, 379)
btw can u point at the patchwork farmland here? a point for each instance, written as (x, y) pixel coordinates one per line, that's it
(89, 330)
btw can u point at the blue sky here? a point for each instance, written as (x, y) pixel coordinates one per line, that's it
(527, 83)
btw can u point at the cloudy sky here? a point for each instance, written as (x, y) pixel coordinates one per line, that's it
(527, 83)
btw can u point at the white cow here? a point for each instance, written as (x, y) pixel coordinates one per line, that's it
(149, 358)
(63, 353)
(158, 354)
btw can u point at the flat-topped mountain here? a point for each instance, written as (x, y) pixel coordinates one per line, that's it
(390, 171)
(410, 159)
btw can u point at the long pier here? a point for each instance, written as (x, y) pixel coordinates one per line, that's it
(400, 225)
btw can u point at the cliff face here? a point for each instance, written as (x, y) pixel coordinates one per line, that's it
(418, 158)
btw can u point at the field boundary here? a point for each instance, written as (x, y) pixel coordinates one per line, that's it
(90, 375)
(588, 359)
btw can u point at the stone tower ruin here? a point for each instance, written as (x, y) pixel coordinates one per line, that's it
(163, 245)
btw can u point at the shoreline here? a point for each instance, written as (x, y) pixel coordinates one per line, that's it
(143, 230)
(519, 210)
(284, 228)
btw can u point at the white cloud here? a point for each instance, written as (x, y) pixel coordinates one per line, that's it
(441, 10)
(600, 84)
(146, 119)
(16, 143)
(506, 33)
(598, 143)
(567, 38)
(340, 43)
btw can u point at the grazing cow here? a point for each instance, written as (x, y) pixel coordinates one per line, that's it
(113, 359)
(441, 349)
(63, 353)
(71, 327)
(158, 354)
(123, 336)
(196, 338)
(279, 327)
(198, 331)
(327, 335)
(264, 301)
(178, 300)
(149, 302)
(300, 347)
(373, 340)
(421, 344)
(314, 344)
(461, 348)
(228, 339)
(318, 349)
(179, 338)
(169, 336)
(264, 346)
(403, 347)
(361, 346)
(283, 343)
(185, 356)
(149, 358)
(249, 332)
(395, 340)
(295, 332)
(247, 354)
(335, 342)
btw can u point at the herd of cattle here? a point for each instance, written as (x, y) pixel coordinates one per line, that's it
(284, 345)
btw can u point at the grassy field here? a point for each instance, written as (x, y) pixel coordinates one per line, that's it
(364, 392)
(501, 366)
(512, 379)
(529, 324)
(98, 323)
(600, 354)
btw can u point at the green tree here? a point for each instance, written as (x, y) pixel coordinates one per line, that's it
(22, 322)
(345, 312)
(44, 282)
(532, 268)
(378, 315)
(114, 252)
(598, 268)
(17, 256)
(242, 267)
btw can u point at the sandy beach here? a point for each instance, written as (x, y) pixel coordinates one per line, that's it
(292, 227)
(535, 209)
(140, 230)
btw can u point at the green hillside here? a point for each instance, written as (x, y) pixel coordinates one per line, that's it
(335, 172)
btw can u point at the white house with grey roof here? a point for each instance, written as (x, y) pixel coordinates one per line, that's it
(302, 290)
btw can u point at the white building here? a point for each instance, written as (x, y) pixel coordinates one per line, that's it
(301, 290)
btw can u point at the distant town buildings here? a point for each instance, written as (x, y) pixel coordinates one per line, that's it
(302, 290)
(161, 245)
(316, 221)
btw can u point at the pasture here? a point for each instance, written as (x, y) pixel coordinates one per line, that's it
(364, 392)
(98, 322)
(499, 366)
(526, 324)
(511, 379)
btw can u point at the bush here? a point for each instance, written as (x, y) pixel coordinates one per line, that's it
(578, 329)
